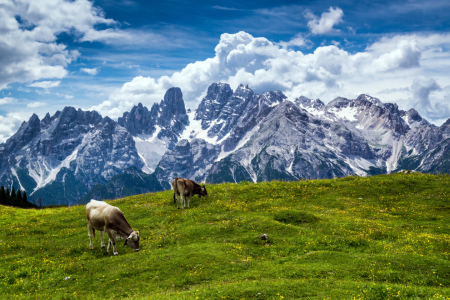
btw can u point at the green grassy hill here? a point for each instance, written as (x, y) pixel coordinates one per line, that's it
(381, 237)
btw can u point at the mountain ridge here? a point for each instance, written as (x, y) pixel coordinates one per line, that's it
(231, 136)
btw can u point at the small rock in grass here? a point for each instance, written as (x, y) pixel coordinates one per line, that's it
(67, 278)
(263, 236)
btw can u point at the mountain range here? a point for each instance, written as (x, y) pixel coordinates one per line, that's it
(232, 136)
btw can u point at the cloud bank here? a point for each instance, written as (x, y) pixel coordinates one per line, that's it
(326, 73)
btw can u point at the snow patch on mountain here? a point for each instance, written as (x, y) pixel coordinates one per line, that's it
(241, 143)
(51, 176)
(346, 113)
(13, 171)
(194, 130)
(150, 149)
(359, 165)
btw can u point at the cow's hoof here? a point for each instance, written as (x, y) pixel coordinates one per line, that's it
(91, 248)
(116, 253)
(103, 247)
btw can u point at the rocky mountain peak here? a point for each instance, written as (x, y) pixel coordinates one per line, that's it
(137, 121)
(173, 117)
(210, 107)
(447, 123)
(219, 92)
(305, 102)
(413, 115)
(370, 99)
(46, 120)
(243, 90)
(173, 104)
(338, 102)
(26, 133)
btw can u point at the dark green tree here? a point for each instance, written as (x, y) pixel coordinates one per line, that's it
(25, 196)
(7, 192)
(19, 195)
(13, 192)
(2, 193)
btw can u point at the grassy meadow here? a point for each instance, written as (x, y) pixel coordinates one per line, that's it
(380, 237)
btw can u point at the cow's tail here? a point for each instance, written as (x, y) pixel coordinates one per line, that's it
(174, 186)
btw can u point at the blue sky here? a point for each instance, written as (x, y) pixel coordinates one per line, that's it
(110, 55)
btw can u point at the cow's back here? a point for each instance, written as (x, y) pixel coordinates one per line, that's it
(180, 185)
(98, 213)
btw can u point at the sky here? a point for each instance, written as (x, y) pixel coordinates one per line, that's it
(109, 55)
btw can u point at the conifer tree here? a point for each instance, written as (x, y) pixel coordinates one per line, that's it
(24, 196)
(34, 200)
(2, 193)
(7, 192)
(40, 202)
(13, 192)
(19, 195)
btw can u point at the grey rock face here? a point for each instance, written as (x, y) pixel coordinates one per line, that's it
(169, 116)
(226, 117)
(61, 157)
(189, 159)
(309, 103)
(157, 130)
(211, 106)
(264, 137)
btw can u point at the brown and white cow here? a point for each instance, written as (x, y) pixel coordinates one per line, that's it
(186, 187)
(104, 217)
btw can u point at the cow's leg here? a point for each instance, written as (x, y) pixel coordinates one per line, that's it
(90, 229)
(183, 203)
(189, 200)
(178, 200)
(101, 238)
(114, 247)
(112, 241)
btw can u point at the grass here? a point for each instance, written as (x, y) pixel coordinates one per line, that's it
(380, 237)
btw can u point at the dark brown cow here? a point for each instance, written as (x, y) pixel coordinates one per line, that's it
(104, 217)
(186, 187)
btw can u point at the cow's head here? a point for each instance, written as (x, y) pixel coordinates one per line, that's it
(203, 191)
(133, 240)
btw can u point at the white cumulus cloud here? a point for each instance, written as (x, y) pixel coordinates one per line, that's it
(36, 104)
(7, 100)
(92, 71)
(9, 125)
(45, 84)
(326, 22)
(29, 29)
(434, 108)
